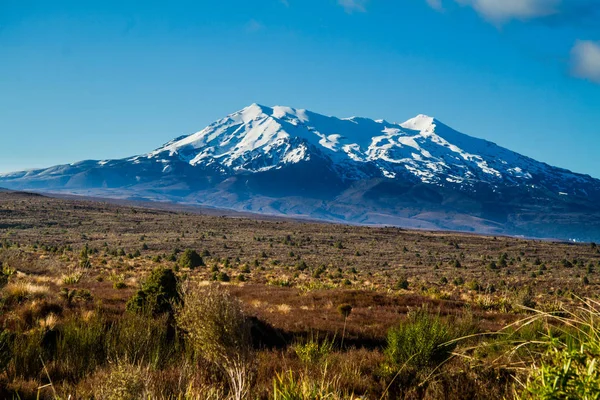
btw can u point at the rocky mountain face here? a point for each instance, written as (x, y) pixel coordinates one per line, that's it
(285, 161)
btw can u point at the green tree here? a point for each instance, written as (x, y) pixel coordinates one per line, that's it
(158, 293)
(191, 259)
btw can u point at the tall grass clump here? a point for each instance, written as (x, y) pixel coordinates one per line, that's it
(290, 386)
(219, 332)
(421, 341)
(25, 351)
(139, 338)
(568, 366)
(79, 348)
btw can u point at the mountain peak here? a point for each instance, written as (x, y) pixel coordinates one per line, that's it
(421, 123)
(253, 111)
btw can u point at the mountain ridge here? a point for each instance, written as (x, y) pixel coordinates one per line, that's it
(288, 161)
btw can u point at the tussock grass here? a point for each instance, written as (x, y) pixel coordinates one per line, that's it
(569, 356)
(19, 291)
(301, 386)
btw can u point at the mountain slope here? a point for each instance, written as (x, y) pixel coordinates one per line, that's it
(280, 160)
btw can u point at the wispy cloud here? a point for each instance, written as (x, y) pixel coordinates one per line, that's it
(353, 5)
(585, 60)
(253, 26)
(435, 4)
(500, 11)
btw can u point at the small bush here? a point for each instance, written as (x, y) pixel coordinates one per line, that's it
(223, 277)
(18, 292)
(119, 285)
(313, 351)
(190, 259)
(401, 284)
(420, 341)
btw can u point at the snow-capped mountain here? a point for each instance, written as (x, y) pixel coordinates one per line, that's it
(283, 160)
(258, 139)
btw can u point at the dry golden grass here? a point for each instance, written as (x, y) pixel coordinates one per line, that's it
(21, 290)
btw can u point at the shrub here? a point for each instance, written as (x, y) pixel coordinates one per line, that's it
(119, 285)
(25, 351)
(401, 284)
(420, 341)
(219, 331)
(474, 285)
(191, 259)
(525, 298)
(3, 276)
(223, 277)
(73, 278)
(124, 381)
(157, 294)
(313, 351)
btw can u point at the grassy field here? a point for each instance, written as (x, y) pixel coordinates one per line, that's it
(115, 302)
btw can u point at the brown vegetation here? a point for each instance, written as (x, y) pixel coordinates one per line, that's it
(70, 267)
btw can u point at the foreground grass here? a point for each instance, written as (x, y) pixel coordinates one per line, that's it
(183, 340)
(206, 346)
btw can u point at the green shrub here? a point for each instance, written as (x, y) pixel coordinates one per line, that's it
(401, 284)
(158, 293)
(119, 285)
(190, 259)
(420, 341)
(25, 352)
(313, 350)
(223, 277)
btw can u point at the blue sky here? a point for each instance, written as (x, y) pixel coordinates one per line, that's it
(109, 79)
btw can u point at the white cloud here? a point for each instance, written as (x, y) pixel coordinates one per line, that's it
(585, 60)
(435, 4)
(353, 5)
(499, 11)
